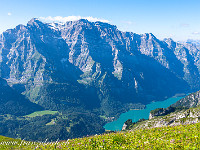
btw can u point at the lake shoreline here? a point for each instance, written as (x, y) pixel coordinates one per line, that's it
(136, 114)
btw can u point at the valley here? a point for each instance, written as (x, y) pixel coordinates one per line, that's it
(85, 70)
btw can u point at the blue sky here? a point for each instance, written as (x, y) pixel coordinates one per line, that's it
(178, 19)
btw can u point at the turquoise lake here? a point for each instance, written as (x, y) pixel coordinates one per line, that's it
(135, 115)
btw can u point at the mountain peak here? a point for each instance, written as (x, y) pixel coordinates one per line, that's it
(83, 20)
(104, 24)
(149, 36)
(169, 41)
(34, 21)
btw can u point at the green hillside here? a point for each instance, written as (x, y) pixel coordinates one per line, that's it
(173, 137)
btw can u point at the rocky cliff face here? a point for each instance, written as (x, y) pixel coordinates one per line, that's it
(94, 65)
(183, 117)
(190, 101)
(184, 111)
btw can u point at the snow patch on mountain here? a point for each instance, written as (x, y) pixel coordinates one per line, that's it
(71, 18)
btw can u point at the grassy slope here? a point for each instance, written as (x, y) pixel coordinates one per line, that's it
(175, 137)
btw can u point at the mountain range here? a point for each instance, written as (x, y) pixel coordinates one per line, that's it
(93, 66)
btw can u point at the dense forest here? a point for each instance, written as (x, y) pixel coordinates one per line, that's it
(51, 127)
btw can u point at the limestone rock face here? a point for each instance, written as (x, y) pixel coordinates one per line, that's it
(94, 65)
(192, 100)
(124, 126)
(183, 117)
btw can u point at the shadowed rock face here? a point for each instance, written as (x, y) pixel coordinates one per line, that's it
(11, 102)
(94, 65)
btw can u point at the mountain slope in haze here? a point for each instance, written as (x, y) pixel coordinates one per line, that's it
(11, 102)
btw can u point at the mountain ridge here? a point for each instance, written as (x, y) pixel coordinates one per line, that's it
(93, 51)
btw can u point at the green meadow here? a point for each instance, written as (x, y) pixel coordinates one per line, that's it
(41, 113)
